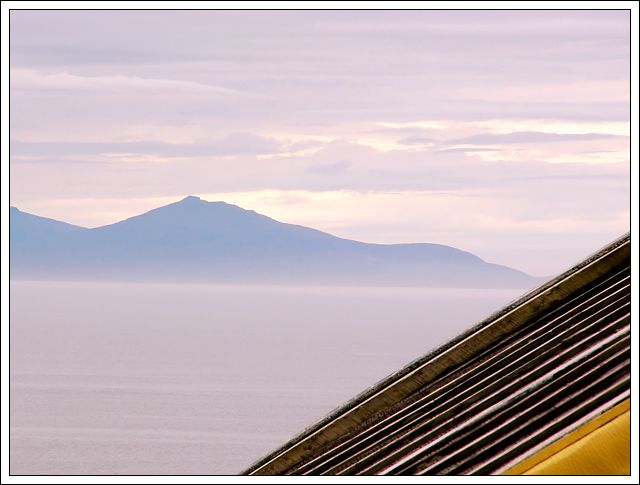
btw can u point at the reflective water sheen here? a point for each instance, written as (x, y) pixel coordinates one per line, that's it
(194, 379)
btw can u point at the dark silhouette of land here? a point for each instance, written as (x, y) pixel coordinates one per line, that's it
(199, 241)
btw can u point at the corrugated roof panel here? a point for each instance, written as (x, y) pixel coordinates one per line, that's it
(520, 380)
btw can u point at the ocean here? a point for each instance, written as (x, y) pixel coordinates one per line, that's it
(163, 379)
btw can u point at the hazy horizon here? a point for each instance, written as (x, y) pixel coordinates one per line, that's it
(196, 240)
(505, 133)
(150, 278)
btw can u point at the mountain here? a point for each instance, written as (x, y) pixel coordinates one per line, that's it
(196, 240)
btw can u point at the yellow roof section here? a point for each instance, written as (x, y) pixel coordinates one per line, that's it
(599, 447)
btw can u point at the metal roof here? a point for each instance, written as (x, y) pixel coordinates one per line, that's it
(528, 375)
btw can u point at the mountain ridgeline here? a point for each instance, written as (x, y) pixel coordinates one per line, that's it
(199, 241)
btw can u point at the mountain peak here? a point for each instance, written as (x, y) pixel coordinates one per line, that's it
(196, 203)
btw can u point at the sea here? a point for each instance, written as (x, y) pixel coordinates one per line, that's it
(181, 379)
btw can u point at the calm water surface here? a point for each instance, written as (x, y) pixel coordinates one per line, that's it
(192, 379)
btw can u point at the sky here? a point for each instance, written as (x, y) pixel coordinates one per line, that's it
(503, 133)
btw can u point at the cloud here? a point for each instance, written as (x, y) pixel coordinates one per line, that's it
(610, 90)
(554, 126)
(74, 55)
(233, 144)
(245, 143)
(468, 150)
(526, 137)
(417, 140)
(28, 79)
(330, 168)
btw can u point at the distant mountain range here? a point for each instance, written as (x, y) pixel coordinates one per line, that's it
(199, 241)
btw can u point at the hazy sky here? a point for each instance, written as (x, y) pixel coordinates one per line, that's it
(501, 133)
